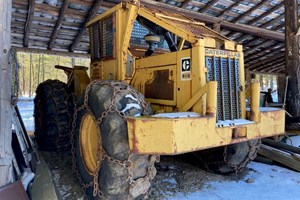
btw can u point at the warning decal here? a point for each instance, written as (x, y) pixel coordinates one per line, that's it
(185, 69)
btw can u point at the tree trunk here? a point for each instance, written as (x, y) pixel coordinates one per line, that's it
(30, 70)
(43, 68)
(23, 76)
(39, 69)
(292, 56)
(6, 170)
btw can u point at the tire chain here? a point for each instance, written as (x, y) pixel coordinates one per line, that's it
(127, 163)
(60, 146)
(254, 146)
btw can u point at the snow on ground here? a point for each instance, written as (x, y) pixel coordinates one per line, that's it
(25, 106)
(263, 182)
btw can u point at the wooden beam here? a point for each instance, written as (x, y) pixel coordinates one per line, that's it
(53, 52)
(280, 156)
(266, 13)
(30, 12)
(91, 14)
(253, 30)
(58, 23)
(292, 56)
(6, 169)
(267, 24)
(229, 8)
(248, 12)
(185, 3)
(208, 6)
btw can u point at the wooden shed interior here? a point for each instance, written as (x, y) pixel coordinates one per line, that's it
(59, 25)
(268, 31)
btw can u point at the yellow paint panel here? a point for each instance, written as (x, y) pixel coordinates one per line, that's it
(158, 135)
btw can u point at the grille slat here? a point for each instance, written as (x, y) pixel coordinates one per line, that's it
(226, 72)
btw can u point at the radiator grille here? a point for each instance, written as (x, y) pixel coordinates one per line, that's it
(226, 72)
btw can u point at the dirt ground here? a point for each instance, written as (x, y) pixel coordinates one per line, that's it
(175, 174)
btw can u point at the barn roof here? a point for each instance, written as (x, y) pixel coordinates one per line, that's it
(59, 25)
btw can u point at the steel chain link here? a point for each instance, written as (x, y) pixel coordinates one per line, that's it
(111, 108)
(251, 155)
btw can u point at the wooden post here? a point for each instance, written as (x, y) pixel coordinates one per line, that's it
(281, 87)
(6, 170)
(217, 27)
(292, 56)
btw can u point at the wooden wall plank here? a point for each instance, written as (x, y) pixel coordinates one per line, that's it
(6, 170)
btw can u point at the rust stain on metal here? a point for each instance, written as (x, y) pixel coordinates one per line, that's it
(134, 142)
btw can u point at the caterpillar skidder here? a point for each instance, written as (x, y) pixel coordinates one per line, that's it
(192, 76)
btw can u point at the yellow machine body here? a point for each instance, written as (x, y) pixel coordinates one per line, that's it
(201, 83)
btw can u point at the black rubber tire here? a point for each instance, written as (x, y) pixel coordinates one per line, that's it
(113, 178)
(53, 113)
(230, 158)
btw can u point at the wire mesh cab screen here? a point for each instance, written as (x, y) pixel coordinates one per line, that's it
(137, 37)
(102, 38)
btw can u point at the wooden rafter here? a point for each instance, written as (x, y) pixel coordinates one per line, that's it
(277, 67)
(58, 23)
(28, 24)
(273, 21)
(267, 52)
(46, 35)
(248, 12)
(279, 27)
(273, 67)
(266, 13)
(208, 6)
(265, 61)
(82, 30)
(270, 65)
(232, 33)
(229, 8)
(225, 24)
(249, 43)
(254, 39)
(185, 3)
(242, 37)
(281, 69)
(264, 44)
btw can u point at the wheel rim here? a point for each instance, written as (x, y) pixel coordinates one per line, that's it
(88, 141)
